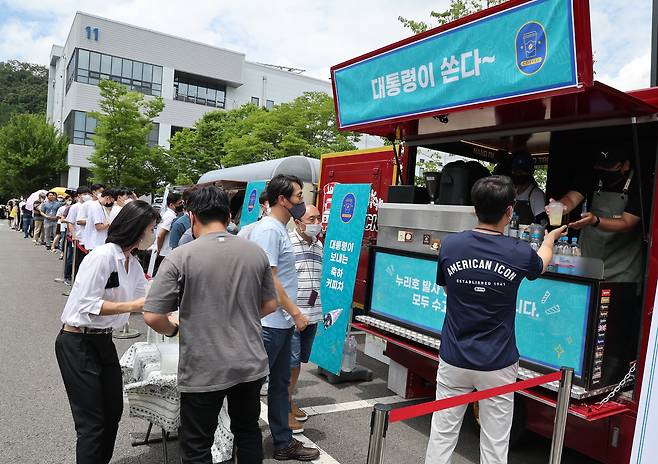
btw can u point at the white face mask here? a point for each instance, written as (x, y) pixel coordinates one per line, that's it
(312, 230)
(86, 197)
(147, 240)
(128, 200)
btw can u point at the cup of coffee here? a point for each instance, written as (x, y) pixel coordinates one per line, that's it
(555, 213)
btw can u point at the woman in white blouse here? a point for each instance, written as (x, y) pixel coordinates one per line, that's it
(109, 285)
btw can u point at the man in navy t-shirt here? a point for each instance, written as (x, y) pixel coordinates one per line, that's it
(481, 270)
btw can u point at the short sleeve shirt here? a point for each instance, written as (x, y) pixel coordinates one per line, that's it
(482, 273)
(50, 208)
(221, 282)
(168, 219)
(272, 236)
(178, 228)
(96, 214)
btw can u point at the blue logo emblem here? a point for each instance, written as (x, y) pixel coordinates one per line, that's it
(252, 201)
(347, 208)
(531, 47)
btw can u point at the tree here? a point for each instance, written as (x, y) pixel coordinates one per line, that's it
(306, 126)
(32, 155)
(23, 89)
(122, 155)
(456, 10)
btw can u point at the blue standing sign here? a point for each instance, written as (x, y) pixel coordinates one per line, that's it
(342, 249)
(251, 207)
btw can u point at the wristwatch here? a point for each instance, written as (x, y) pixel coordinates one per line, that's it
(598, 221)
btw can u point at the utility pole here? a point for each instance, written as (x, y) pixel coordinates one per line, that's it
(654, 44)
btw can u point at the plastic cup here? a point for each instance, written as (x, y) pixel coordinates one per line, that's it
(555, 213)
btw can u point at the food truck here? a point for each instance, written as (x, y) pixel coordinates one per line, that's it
(515, 76)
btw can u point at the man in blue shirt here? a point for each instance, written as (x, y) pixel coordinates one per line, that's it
(181, 224)
(481, 270)
(284, 195)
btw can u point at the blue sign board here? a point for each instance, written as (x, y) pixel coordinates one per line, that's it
(250, 206)
(519, 51)
(551, 315)
(342, 249)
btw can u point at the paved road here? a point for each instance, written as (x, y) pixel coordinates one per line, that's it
(35, 419)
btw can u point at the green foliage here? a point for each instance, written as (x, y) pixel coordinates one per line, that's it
(433, 164)
(23, 89)
(306, 126)
(32, 155)
(122, 155)
(456, 10)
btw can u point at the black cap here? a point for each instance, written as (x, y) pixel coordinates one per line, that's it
(609, 157)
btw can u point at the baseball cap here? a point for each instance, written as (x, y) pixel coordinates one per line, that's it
(522, 161)
(609, 157)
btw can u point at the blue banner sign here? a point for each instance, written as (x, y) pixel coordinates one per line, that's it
(520, 51)
(342, 248)
(250, 206)
(551, 315)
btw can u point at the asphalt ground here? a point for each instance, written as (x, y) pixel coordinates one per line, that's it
(35, 418)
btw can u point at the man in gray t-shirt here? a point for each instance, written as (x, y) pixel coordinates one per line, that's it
(222, 285)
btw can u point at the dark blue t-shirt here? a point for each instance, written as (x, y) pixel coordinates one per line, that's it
(482, 273)
(178, 228)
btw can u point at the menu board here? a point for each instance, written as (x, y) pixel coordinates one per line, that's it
(551, 315)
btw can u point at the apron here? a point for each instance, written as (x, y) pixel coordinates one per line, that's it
(621, 252)
(523, 209)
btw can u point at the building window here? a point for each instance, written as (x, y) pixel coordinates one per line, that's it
(154, 135)
(90, 67)
(255, 101)
(174, 130)
(269, 104)
(192, 89)
(79, 127)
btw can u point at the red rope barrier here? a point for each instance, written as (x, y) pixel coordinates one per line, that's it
(409, 412)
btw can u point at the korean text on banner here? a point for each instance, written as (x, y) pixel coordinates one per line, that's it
(251, 207)
(645, 446)
(342, 248)
(527, 49)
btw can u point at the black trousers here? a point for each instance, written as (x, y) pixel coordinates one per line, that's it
(198, 422)
(92, 376)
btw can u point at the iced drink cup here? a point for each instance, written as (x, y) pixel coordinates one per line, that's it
(555, 212)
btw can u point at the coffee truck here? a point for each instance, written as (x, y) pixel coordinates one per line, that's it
(515, 76)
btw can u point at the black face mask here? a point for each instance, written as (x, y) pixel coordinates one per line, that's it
(610, 180)
(520, 179)
(179, 208)
(109, 205)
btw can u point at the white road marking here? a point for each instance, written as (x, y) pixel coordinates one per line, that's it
(324, 458)
(351, 405)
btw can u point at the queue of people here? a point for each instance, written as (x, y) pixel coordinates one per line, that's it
(267, 286)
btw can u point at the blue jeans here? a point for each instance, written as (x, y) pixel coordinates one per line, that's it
(301, 345)
(27, 225)
(277, 345)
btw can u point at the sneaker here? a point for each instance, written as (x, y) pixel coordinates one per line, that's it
(263, 389)
(294, 424)
(300, 415)
(296, 451)
(67, 282)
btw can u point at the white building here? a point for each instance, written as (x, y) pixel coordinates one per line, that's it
(192, 78)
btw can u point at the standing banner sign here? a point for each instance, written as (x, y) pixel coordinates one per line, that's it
(251, 207)
(645, 446)
(342, 248)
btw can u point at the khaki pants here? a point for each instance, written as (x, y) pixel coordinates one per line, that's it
(495, 413)
(38, 232)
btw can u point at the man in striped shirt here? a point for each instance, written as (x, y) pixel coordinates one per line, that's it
(308, 263)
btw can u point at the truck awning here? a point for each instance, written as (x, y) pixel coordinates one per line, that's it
(307, 169)
(597, 103)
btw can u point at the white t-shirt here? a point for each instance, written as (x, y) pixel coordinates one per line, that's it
(96, 214)
(83, 214)
(74, 214)
(537, 198)
(115, 211)
(60, 212)
(168, 218)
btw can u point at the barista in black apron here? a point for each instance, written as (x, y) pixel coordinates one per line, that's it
(530, 199)
(611, 229)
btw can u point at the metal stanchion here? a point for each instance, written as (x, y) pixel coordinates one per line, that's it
(74, 243)
(561, 412)
(58, 279)
(378, 427)
(126, 332)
